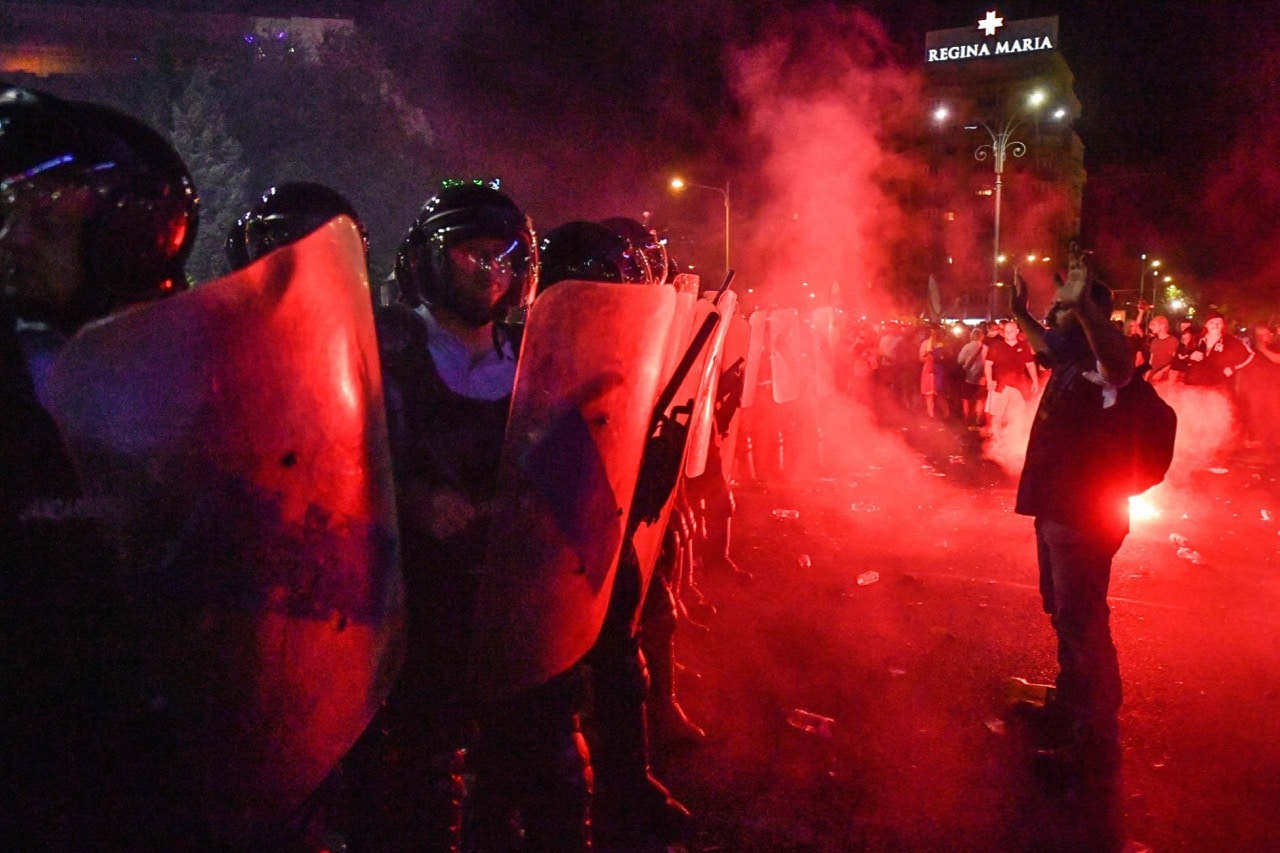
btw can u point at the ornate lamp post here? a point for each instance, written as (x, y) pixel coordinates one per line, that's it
(1001, 145)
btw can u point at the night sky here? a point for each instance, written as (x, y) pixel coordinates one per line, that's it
(587, 107)
(1180, 115)
(1157, 79)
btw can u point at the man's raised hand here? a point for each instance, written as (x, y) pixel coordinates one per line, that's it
(1071, 291)
(1019, 297)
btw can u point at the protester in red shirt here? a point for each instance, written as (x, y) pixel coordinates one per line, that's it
(1011, 375)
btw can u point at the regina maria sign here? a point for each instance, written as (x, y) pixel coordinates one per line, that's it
(993, 36)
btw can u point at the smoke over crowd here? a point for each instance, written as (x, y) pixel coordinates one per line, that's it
(822, 102)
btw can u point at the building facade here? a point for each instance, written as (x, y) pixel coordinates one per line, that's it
(1006, 167)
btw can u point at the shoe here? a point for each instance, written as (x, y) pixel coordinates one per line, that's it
(1084, 758)
(672, 726)
(646, 818)
(695, 616)
(1051, 726)
(665, 816)
(724, 564)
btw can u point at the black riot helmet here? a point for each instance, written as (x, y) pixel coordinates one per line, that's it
(589, 251)
(143, 208)
(456, 214)
(643, 240)
(284, 215)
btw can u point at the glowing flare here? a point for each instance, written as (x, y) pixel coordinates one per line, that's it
(1141, 509)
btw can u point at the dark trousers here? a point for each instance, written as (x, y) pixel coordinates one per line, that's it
(406, 775)
(1075, 571)
(531, 756)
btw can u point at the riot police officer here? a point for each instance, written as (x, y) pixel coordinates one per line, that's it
(631, 808)
(468, 260)
(646, 242)
(670, 723)
(99, 212)
(285, 214)
(591, 251)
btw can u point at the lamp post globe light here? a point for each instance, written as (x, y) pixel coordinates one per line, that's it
(678, 184)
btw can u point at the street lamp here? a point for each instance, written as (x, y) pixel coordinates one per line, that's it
(1155, 289)
(678, 184)
(1001, 145)
(1020, 259)
(1153, 267)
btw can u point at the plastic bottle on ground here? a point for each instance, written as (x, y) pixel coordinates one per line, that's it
(807, 721)
(867, 578)
(786, 513)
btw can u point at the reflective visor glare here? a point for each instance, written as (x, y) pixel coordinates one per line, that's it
(8, 209)
(39, 199)
(489, 258)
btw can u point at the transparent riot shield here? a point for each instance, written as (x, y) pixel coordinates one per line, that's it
(589, 374)
(236, 436)
(823, 351)
(677, 414)
(729, 391)
(682, 321)
(707, 371)
(687, 282)
(757, 352)
(787, 351)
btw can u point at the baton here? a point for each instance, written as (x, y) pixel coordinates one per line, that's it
(685, 365)
(724, 285)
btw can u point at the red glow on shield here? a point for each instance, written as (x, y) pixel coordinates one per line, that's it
(343, 363)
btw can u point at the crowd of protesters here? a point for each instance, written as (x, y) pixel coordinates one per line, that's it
(945, 371)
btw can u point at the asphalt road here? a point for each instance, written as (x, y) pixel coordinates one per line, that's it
(923, 753)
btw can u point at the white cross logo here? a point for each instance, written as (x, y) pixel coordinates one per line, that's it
(991, 23)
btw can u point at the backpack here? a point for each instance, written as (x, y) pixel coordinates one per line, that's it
(1140, 430)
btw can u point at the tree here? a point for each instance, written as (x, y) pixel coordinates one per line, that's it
(335, 116)
(277, 110)
(200, 134)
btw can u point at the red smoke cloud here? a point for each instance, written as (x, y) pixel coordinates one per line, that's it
(1007, 446)
(822, 104)
(1208, 428)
